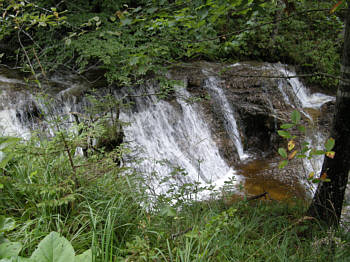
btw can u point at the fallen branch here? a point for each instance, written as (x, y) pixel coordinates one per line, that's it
(258, 196)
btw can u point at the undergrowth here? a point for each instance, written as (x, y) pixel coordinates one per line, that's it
(107, 214)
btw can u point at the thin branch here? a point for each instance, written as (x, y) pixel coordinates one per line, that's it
(25, 53)
(36, 6)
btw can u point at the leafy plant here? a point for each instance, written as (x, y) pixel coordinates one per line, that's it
(294, 132)
(53, 248)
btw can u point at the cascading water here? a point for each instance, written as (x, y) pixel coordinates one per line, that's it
(174, 136)
(216, 92)
(301, 96)
(168, 136)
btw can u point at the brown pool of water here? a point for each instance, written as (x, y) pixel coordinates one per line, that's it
(259, 178)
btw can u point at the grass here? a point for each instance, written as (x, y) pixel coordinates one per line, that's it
(107, 213)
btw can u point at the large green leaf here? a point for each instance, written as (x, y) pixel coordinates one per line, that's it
(85, 257)
(10, 249)
(54, 248)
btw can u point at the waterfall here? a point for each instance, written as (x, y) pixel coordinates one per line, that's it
(170, 135)
(301, 95)
(170, 139)
(10, 124)
(217, 93)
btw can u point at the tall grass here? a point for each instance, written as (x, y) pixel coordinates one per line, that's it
(106, 213)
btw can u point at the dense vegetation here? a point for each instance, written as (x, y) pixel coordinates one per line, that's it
(130, 39)
(97, 207)
(97, 204)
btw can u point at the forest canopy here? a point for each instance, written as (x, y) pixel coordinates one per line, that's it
(131, 39)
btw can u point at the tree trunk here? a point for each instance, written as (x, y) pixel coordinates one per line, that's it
(328, 200)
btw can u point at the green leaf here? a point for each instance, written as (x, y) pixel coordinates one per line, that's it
(284, 134)
(296, 117)
(54, 248)
(168, 211)
(6, 224)
(282, 164)
(286, 126)
(85, 257)
(317, 152)
(301, 128)
(10, 249)
(329, 144)
(282, 152)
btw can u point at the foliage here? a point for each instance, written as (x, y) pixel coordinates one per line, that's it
(53, 248)
(105, 207)
(130, 40)
(297, 148)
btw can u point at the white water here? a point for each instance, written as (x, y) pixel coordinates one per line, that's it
(304, 98)
(169, 136)
(216, 92)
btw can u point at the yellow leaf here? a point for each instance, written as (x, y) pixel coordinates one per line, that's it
(291, 145)
(311, 175)
(55, 14)
(323, 176)
(292, 155)
(330, 154)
